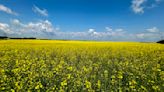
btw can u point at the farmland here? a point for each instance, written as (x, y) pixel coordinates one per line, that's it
(49, 65)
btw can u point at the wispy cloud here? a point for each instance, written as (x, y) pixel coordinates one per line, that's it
(148, 36)
(139, 6)
(16, 22)
(42, 12)
(7, 10)
(153, 30)
(5, 29)
(32, 29)
(151, 34)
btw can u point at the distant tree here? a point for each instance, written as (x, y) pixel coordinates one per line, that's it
(161, 41)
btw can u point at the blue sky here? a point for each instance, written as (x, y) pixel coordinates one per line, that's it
(113, 20)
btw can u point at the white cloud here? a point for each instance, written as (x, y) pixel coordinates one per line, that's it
(91, 30)
(32, 29)
(148, 36)
(119, 30)
(153, 30)
(109, 29)
(40, 26)
(151, 34)
(7, 10)
(140, 35)
(5, 28)
(93, 33)
(139, 6)
(39, 29)
(42, 12)
(109, 34)
(16, 22)
(115, 32)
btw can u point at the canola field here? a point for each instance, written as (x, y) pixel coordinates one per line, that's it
(80, 66)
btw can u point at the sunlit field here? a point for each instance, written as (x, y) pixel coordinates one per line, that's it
(71, 66)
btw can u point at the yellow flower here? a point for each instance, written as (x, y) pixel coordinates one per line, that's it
(87, 84)
(99, 84)
(68, 76)
(64, 83)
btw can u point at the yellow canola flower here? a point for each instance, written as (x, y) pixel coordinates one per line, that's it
(87, 84)
(64, 83)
